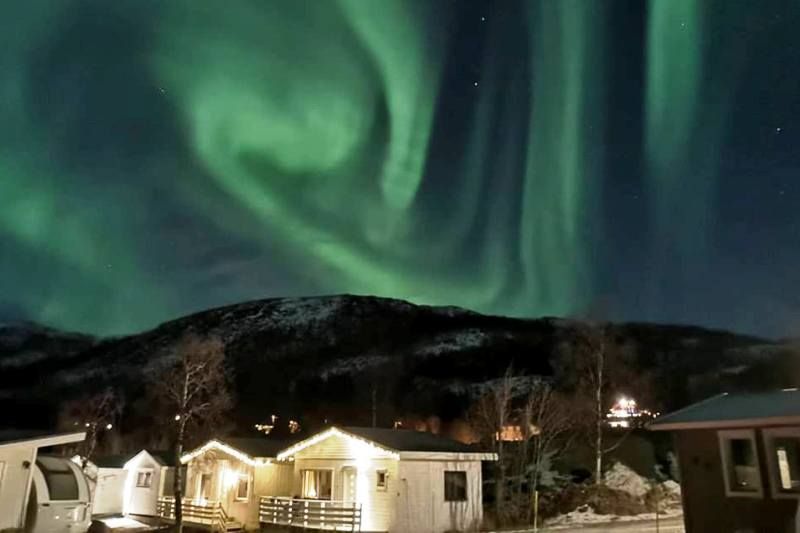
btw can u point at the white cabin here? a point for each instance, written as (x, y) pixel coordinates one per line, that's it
(26, 479)
(367, 479)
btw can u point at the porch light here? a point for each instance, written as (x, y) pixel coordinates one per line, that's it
(230, 478)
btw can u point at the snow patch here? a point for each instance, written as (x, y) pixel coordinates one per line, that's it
(672, 488)
(123, 523)
(470, 338)
(586, 515)
(620, 477)
(353, 365)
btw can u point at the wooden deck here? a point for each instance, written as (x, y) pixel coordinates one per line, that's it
(330, 515)
(206, 514)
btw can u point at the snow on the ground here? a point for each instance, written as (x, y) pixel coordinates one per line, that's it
(672, 488)
(622, 478)
(586, 515)
(454, 341)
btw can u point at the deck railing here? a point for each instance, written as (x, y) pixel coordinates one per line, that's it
(331, 515)
(201, 512)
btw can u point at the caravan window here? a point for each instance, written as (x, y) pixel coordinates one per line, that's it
(740, 466)
(317, 484)
(60, 478)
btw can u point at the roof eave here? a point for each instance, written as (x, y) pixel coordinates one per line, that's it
(47, 440)
(449, 456)
(724, 424)
(297, 447)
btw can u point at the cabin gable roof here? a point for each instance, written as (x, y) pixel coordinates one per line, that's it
(761, 409)
(390, 443)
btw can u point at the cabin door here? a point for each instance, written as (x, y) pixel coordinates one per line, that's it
(205, 487)
(348, 484)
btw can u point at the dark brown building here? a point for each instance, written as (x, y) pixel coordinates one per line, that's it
(739, 457)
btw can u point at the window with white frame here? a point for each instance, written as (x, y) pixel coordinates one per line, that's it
(783, 456)
(144, 479)
(740, 467)
(317, 484)
(243, 487)
(382, 479)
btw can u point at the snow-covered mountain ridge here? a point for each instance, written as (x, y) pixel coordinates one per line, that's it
(323, 356)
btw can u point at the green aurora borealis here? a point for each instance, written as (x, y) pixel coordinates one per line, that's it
(159, 158)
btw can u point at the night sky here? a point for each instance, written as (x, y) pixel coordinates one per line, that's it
(630, 159)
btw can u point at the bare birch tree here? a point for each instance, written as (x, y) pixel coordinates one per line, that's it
(196, 392)
(488, 417)
(597, 366)
(547, 422)
(93, 414)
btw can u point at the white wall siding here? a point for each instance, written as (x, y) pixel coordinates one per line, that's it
(108, 491)
(273, 479)
(14, 483)
(421, 507)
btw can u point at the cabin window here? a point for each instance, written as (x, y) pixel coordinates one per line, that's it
(783, 454)
(455, 486)
(740, 466)
(60, 480)
(243, 488)
(317, 484)
(382, 480)
(144, 479)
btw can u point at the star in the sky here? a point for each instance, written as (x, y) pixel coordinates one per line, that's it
(778, 129)
(475, 84)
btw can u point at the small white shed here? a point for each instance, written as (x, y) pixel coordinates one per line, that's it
(18, 457)
(131, 484)
(107, 475)
(149, 476)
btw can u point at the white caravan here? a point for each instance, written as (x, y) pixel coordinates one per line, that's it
(60, 500)
(19, 451)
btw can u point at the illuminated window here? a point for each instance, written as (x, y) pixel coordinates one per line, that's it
(317, 484)
(144, 479)
(382, 479)
(243, 488)
(60, 479)
(455, 486)
(740, 466)
(783, 454)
